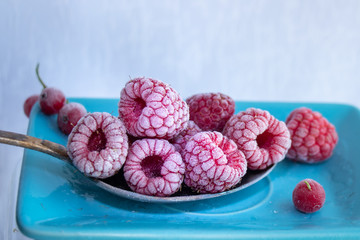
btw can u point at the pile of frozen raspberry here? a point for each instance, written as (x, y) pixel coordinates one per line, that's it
(162, 142)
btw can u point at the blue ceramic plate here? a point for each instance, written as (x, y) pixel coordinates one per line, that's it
(55, 201)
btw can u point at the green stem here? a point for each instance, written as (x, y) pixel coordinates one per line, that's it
(308, 185)
(38, 76)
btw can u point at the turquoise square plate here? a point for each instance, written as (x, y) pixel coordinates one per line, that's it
(57, 202)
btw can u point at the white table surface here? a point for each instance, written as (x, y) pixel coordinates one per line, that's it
(251, 50)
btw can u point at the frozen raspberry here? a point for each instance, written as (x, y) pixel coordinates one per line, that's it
(98, 145)
(183, 137)
(210, 111)
(263, 139)
(150, 108)
(153, 167)
(313, 137)
(308, 196)
(29, 103)
(69, 115)
(51, 99)
(213, 163)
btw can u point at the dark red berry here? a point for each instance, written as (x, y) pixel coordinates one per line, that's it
(51, 99)
(29, 103)
(308, 196)
(69, 115)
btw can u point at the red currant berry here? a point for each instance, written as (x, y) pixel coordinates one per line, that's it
(51, 99)
(308, 196)
(69, 115)
(29, 103)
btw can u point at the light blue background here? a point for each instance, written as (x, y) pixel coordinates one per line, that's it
(251, 50)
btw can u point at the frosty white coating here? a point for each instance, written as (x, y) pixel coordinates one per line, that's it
(151, 108)
(153, 167)
(213, 163)
(263, 139)
(98, 145)
(313, 136)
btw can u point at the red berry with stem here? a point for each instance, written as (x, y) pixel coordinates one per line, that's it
(69, 115)
(308, 196)
(29, 103)
(51, 99)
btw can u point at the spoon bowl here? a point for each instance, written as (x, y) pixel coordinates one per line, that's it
(117, 184)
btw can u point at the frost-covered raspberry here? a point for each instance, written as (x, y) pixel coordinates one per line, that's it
(183, 137)
(263, 139)
(308, 196)
(151, 108)
(313, 136)
(213, 163)
(153, 167)
(98, 145)
(210, 111)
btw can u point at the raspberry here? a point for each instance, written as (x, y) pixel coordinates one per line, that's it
(98, 145)
(151, 108)
(153, 167)
(183, 137)
(210, 111)
(308, 196)
(313, 137)
(29, 103)
(213, 163)
(263, 139)
(51, 99)
(69, 115)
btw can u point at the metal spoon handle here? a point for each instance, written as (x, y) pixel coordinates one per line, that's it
(25, 141)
